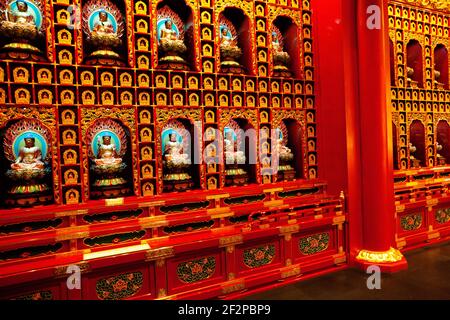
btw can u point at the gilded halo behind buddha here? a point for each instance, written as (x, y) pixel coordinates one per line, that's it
(22, 24)
(103, 25)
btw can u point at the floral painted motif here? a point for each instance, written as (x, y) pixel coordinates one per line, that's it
(411, 222)
(259, 256)
(119, 287)
(314, 244)
(39, 295)
(442, 215)
(196, 270)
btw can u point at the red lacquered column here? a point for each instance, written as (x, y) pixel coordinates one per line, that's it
(376, 147)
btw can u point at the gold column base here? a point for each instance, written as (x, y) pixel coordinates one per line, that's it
(390, 256)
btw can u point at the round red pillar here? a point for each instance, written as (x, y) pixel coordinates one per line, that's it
(377, 197)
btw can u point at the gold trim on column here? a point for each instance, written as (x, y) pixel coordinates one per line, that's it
(392, 255)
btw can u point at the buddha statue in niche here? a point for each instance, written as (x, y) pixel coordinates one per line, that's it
(108, 144)
(170, 35)
(440, 159)
(410, 74)
(107, 152)
(285, 155)
(280, 57)
(415, 163)
(232, 156)
(28, 177)
(177, 164)
(30, 156)
(230, 53)
(437, 75)
(174, 152)
(103, 24)
(22, 22)
(235, 159)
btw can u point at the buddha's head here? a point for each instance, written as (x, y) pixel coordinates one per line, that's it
(168, 24)
(224, 32)
(29, 142)
(173, 137)
(22, 6)
(103, 16)
(106, 140)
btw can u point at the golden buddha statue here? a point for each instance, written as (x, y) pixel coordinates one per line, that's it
(30, 156)
(177, 165)
(285, 159)
(103, 24)
(19, 24)
(230, 53)
(232, 156)
(280, 57)
(107, 153)
(174, 152)
(171, 46)
(234, 161)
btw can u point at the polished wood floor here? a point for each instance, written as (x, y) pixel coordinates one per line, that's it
(427, 277)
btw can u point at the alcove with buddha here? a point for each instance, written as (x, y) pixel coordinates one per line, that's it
(180, 155)
(287, 148)
(240, 152)
(104, 32)
(175, 35)
(26, 154)
(107, 148)
(441, 67)
(417, 149)
(414, 64)
(443, 143)
(235, 42)
(286, 42)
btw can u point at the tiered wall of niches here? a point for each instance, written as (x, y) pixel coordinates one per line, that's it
(421, 193)
(156, 244)
(139, 94)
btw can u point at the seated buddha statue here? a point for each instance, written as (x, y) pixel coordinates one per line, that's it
(20, 26)
(415, 163)
(410, 74)
(171, 46)
(174, 153)
(231, 155)
(30, 157)
(21, 15)
(437, 75)
(228, 46)
(282, 149)
(440, 159)
(280, 58)
(103, 25)
(107, 153)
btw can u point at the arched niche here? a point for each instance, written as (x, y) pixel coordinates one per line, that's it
(292, 140)
(244, 37)
(180, 154)
(441, 67)
(32, 42)
(292, 42)
(26, 146)
(240, 139)
(392, 63)
(108, 146)
(417, 144)
(443, 139)
(182, 18)
(414, 63)
(395, 146)
(105, 32)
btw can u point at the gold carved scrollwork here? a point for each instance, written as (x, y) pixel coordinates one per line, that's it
(435, 4)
